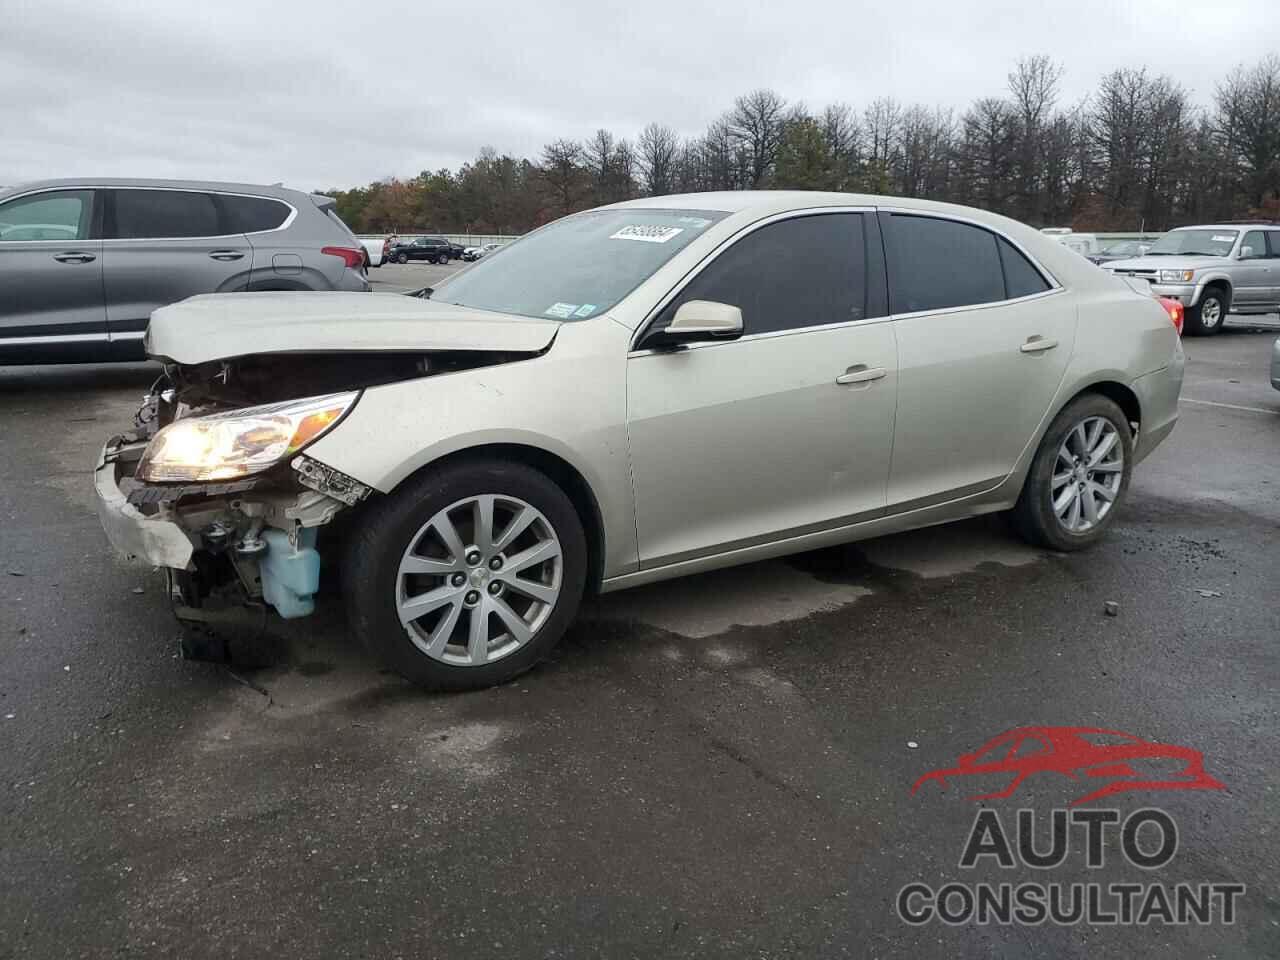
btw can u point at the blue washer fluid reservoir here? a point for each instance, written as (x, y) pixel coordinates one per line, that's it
(290, 575)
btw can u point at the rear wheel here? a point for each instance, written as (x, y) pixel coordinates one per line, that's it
(443, 259)
(1079, 475)
(402, 258)
(1207, 316)
(468, 576)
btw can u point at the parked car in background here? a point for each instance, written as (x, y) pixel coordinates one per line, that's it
(710, 338)
(1212, 271)
(1085, 244)
(84, 262)
(431, 249)
(374, 250)
(1121, 250)
(475, 253)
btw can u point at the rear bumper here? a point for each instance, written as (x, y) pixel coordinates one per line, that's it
(154, 540)
(1158, 400)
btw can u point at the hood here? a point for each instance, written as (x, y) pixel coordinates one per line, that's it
(1167, 263)
(219, 326)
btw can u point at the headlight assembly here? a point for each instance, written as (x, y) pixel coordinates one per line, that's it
(224, 446)
(1176, 276)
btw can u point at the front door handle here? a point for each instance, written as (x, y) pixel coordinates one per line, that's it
(226, 255)
(861, 373)
(1038, 344)
(74, 256)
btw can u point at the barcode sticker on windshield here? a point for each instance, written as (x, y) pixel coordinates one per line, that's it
(562, 310)
(1226, 239)
(647, 233)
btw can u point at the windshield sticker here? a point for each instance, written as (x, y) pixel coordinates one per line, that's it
(586, 310)
(696, 222)
(647, 233)
(1226, 239)
(562, 310)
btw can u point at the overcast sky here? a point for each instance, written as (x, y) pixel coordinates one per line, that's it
(319, 94)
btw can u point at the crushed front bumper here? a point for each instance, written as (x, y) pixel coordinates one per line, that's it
(155, 540)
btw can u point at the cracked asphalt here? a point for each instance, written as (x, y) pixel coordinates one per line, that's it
(720, 766)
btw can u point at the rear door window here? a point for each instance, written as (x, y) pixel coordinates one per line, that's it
(164, 214)
(1021, 279)
(55, 215)
(937, 264)
(250, 214)
(803, 272)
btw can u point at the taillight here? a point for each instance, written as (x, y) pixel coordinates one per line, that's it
(1175, 311)
(351, 257)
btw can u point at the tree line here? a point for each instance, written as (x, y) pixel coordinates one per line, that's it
(1137, 153)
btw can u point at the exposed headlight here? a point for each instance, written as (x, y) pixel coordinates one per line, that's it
(1176, 276)
(237, 443)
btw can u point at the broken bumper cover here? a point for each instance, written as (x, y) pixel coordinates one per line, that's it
(155, 540)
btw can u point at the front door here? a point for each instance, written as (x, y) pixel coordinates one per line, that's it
(163, 246)
(1251, 286)
(983, 344)
(51, 306)
(785, 431)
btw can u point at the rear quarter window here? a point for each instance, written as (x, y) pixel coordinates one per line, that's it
(251, 214)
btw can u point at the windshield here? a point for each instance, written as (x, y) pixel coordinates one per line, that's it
(577, 267)
(1192, 243)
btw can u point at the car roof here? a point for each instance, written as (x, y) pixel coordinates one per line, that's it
(274, 190)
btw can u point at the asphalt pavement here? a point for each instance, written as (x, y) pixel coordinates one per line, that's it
(719, 766)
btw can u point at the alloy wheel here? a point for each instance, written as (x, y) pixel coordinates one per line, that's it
(1087, 474)
(1211, 312)
(479, 579)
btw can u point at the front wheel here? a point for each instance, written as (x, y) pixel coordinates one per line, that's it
(1207, 316)
(1078, 477)
(402, 258)
(467, 576)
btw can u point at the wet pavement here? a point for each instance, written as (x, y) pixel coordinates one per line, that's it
(719, 766)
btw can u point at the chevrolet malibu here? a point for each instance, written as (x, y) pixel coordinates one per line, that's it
(638, 392)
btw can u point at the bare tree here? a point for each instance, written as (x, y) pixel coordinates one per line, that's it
(756, 124)
(1248, 103)
(657, 152)
(1033, 87)
(562, 172)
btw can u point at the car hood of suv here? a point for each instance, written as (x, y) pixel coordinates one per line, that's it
(223, 325)
(1167, 263)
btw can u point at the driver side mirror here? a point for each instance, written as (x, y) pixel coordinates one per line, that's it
(695, 321)
(1246, 252)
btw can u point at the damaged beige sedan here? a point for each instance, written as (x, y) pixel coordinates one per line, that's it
(633, 393)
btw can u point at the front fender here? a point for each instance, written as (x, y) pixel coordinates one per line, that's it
(569, 402)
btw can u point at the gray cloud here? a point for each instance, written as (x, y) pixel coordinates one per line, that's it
(327, 94)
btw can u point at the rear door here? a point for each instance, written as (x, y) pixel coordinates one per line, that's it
(51, 302)
(162, 246)
(984, 339)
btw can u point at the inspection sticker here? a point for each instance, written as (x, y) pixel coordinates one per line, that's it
(696, 222)
(1226, 239)
(586, 310)
(647, 233)
(562, 310)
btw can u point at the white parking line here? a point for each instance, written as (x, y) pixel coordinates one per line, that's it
(1230, 406)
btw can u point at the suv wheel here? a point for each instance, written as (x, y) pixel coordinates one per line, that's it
(1079, 476)
(1207, 316)
(443, 259)
(467, 576)
(402, 258)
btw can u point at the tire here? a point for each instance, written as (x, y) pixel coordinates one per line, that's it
(402, 529)
(1207, 317)
(1034, 516)
(402, 258)
(443, 259)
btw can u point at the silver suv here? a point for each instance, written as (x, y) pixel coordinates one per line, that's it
(84, 262)
(1212, 271)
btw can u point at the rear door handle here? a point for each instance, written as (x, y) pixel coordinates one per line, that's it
(861, 373)
(74, 256)
(226, 255)
(1037, 344)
